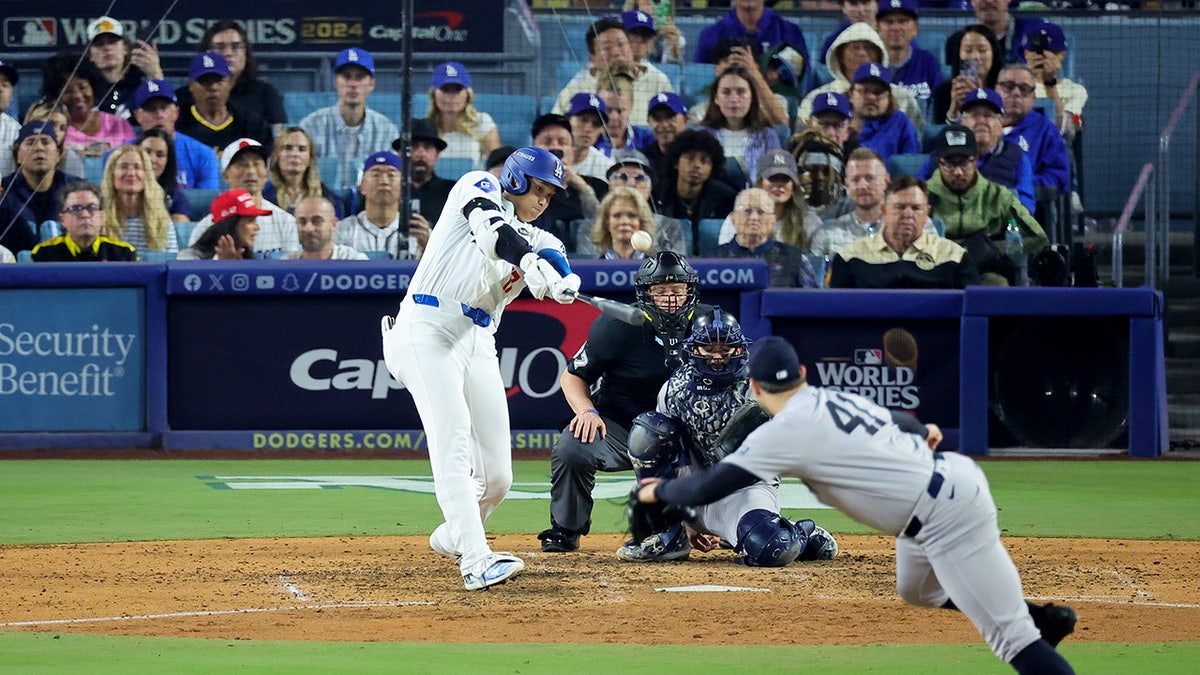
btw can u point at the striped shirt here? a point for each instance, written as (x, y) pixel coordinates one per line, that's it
(135, 234)
(349, 146)
(359, 233)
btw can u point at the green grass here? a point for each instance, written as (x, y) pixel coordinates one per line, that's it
(50, 501)
(66, 653)
(55, 501)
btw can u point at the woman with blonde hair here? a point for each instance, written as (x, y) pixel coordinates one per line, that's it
(467, 131)
(623, 212)
(135, 206)
(294, 174)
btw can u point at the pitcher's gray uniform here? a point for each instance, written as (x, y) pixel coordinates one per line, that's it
(442, 348)
(855, 458)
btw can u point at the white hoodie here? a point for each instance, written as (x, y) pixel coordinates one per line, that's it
(841, 81)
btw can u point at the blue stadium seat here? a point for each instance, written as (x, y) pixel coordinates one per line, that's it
(696, 76)
(906, 164)
(939, 225)
(818, 265)
(199, 201)
(183, 232)
(155, 256)
(298, 104)
(454, 167)
(929, 134)
(513, 113)
(93, 169)
(24, 256)
(710, 229)
(566, 69)
(49, 229)
(376, 255)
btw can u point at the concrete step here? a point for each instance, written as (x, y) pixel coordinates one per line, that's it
(1183, 343)
(1183, 312)
(1183, 376)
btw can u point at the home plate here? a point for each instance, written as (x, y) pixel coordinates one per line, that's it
(707, 588)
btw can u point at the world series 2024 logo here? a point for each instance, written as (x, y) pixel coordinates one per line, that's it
(884, 374)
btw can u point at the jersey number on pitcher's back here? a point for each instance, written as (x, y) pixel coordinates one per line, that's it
(848, 415)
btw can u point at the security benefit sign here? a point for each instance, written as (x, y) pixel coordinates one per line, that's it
(909, 366)
(316, 362)
(72, 360)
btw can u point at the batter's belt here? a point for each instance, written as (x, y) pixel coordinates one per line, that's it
(478, 316)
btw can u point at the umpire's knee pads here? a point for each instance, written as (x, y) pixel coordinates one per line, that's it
(768, 539)
(655, 441)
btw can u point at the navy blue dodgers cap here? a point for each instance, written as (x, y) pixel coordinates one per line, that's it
(772, 359)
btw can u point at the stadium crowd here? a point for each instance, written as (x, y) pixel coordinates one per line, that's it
(776, 158)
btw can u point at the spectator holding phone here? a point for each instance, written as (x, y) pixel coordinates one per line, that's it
(1045, 48)
(976, 64)
(121, 62)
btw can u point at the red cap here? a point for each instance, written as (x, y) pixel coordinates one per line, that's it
(235, 203)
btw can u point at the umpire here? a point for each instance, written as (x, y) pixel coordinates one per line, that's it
(614, 377)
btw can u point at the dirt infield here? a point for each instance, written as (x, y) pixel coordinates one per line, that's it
(397, 589)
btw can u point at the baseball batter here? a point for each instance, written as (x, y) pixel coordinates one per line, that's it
(856, 458)
(698, 408)
(441, 346)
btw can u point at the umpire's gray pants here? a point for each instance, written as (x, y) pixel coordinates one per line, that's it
(573, 467)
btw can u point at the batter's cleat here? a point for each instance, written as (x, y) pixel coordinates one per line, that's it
(664, 546)
(438, 542)
(1054, 621)
(555, 540)
(820, 546)
(496, 568)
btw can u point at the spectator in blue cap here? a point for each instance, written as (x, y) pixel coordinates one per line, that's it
(156, 107)
(753, 21)
(999, 161)
(881, 126)
(588, 115)
(248, 94)
(663, 44)
(831, 115)
(27, 195)
(911, 67)
(468, 132)
(348, 131)
(668, 118)
(212, 119)
(377, 227)
(1044, 48)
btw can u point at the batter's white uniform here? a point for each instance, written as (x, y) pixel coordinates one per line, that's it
(938, 505)
(442, 348)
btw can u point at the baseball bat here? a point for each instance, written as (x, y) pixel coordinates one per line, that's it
(617, 310)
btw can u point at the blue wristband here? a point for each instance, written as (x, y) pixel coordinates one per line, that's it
(591, 410)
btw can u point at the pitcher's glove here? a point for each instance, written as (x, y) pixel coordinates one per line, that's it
(647, 519)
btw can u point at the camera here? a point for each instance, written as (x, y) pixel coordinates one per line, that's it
(1051, 267)
(1038, 42)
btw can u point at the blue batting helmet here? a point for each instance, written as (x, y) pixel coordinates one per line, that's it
(768, 539)
(530, 162)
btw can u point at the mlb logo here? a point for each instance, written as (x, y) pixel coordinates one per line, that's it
(30, 31)
(868, 357)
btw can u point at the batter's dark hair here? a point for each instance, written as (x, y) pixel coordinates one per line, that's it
(598, 27)
(697, 140)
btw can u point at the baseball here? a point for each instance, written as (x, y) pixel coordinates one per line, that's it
(642, 242)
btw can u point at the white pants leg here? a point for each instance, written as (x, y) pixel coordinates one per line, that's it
(449, 365)
(958, 555)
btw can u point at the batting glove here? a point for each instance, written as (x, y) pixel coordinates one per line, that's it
(539, 275)
(563, 291)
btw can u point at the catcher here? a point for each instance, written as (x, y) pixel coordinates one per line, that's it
(704, 412)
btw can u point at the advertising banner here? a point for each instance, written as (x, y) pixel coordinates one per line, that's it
(473, 26)
(901, 364)
(79, 367)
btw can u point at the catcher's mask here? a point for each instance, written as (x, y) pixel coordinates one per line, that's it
(717, 348)
(667, 267)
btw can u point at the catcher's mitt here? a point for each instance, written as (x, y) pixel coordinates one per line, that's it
(647, 519)
(745, 420)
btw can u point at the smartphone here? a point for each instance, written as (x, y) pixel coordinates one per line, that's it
(969, 69)
(413, 247)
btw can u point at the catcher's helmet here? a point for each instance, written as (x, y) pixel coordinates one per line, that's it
(768, 539)
(710, 329)
(530, 162)
(667, 267)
